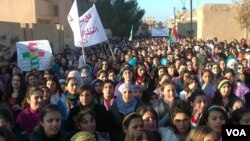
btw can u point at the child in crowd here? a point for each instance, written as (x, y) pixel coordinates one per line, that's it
(28, 118)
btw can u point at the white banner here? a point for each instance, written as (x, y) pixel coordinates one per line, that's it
(91, 29)
(33, 54)
(73, 19)
(159, 32)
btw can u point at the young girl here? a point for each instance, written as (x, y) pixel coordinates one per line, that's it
(97, 88)
(224, 93)
(238, 88)
(57, 96)
(28, 119)
(198, 101)
(162, 78)
(50, 125)
(46, 94)
(150, 121)
(162, 106)
(190, 85)
(127, 77)
(32, 80)
(207, 83)
(214, 116)
(141, 76)
(132, 124)
(180, 118)
(86, 121)
(71, 92)
(108, 98)
(86, 99)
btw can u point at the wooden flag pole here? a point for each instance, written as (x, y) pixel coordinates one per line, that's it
(83, 56)
(111, 49)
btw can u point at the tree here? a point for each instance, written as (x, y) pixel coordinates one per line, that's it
(120, 15)
(244, 15)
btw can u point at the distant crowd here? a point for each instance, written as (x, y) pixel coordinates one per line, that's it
(153, 90)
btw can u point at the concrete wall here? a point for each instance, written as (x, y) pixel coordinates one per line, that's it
(22, 11)
(26, 32)
(184, 28)
(43, 9)
(8, 38)
(218, 20)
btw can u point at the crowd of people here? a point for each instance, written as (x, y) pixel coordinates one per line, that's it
(153, 90)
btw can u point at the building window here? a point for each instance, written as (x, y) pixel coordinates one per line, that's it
(55, 7)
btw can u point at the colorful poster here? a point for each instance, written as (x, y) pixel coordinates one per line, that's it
(33, 54)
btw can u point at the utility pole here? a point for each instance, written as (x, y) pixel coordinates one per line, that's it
(191, 18)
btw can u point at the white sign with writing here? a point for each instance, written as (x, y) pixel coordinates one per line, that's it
(90, 26)
(33, 54)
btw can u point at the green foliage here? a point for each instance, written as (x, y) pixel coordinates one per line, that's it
(120, 15)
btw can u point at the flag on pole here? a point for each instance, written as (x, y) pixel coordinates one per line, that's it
(90, 28)
(173, 38)
(73, 19)
(131, 34)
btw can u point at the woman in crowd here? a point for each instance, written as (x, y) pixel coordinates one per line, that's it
(32, 80)
(97, 88)
(86, 121)
(180, 119)
(150, 119)
(215, 71)
(190, 85)
(125, 103)
(224, 93)
(207, 83)
(214, 116)
(199, 102)
(179, 81)
(162, 78)
(141, 77)
(132, 125)
(71, 92)
(107, 99)
(15, 93)
(127, 77)
(162, 106)
(86, 99)
(238, 88)
(50, 121)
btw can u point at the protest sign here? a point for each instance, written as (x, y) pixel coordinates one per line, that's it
(33, 54)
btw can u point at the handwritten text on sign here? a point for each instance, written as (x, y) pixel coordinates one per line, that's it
(33, 54)
(91, 29)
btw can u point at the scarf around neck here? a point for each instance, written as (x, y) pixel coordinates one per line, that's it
(126, 108)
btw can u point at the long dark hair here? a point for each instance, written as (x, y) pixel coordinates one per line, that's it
(217, 99)
(10, 89)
